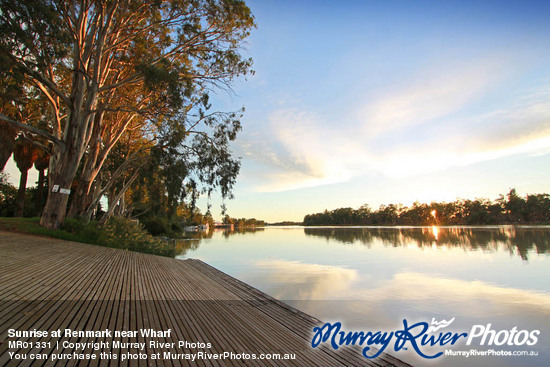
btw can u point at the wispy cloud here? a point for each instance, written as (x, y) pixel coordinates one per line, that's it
(429, 95)
(294, 279)
(297, 150)
(521, 128)
(429, 123)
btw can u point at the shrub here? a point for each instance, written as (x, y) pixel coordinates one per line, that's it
(156, 226)
(176, 228)
(87, 232)
(117, 232)
(128, 235)
(8, 194)
(72, 225)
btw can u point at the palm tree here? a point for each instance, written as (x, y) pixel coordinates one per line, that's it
(41, 164)
(25, 154)
(7, 143)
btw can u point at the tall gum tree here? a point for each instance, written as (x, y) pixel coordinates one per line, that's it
(88, 57)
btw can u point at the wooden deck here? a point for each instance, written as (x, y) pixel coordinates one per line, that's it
(48, 284)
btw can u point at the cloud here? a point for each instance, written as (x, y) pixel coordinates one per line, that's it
(296, 151)
(298, 135)
(522, 128)
(297, 280)
(521, 122)
(443, 117)
(429, 95)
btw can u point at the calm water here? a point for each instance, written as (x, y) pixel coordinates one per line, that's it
(372, 278)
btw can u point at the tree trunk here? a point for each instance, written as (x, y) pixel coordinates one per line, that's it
(63, 167)
(40, 190)
(20, 202)
(94, 203)
(95, 194)
(81, 199)
(114, 199)
(62, 172)
(121, 207)
(56, 204)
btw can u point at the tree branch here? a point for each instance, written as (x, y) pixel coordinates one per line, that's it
(20, 126)
(48, 83)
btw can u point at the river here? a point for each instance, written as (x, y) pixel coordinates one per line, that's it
(373, 278)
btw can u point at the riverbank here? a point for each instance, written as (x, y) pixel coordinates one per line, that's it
(151, 309)
(117, 233)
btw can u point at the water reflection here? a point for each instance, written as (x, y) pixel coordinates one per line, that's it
(517, 240)
(294, 280)
(371, 278)
(314, 282)
(241, 230)
(420, 297)
(193, 239)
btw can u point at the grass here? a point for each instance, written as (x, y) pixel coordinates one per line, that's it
(32, 226)
(116, 233)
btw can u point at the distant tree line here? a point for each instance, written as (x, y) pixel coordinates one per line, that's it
(507, 209)
(285, 223)
(243, 222)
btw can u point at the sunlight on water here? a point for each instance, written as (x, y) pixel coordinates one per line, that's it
(373, 278)
(435, 231)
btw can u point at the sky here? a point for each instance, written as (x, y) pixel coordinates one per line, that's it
(371, 102)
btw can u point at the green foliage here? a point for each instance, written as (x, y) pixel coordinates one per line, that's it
(167, 56)
(85, 232)
(175, 228)
(117, 233)
(157, 226)
(243, 222)
(125, 234)
(512, 209)
(32, 226)
(8, 196)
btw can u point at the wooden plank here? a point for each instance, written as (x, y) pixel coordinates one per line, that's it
(76, 305)
(53, 284)
(42, 317)
(280, 311)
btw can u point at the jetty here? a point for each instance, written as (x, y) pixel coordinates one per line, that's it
(66, 303)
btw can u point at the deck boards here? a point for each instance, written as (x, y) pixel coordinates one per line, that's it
(49, 284)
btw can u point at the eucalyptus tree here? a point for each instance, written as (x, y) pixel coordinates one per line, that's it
(184, 163)
(104, 64)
